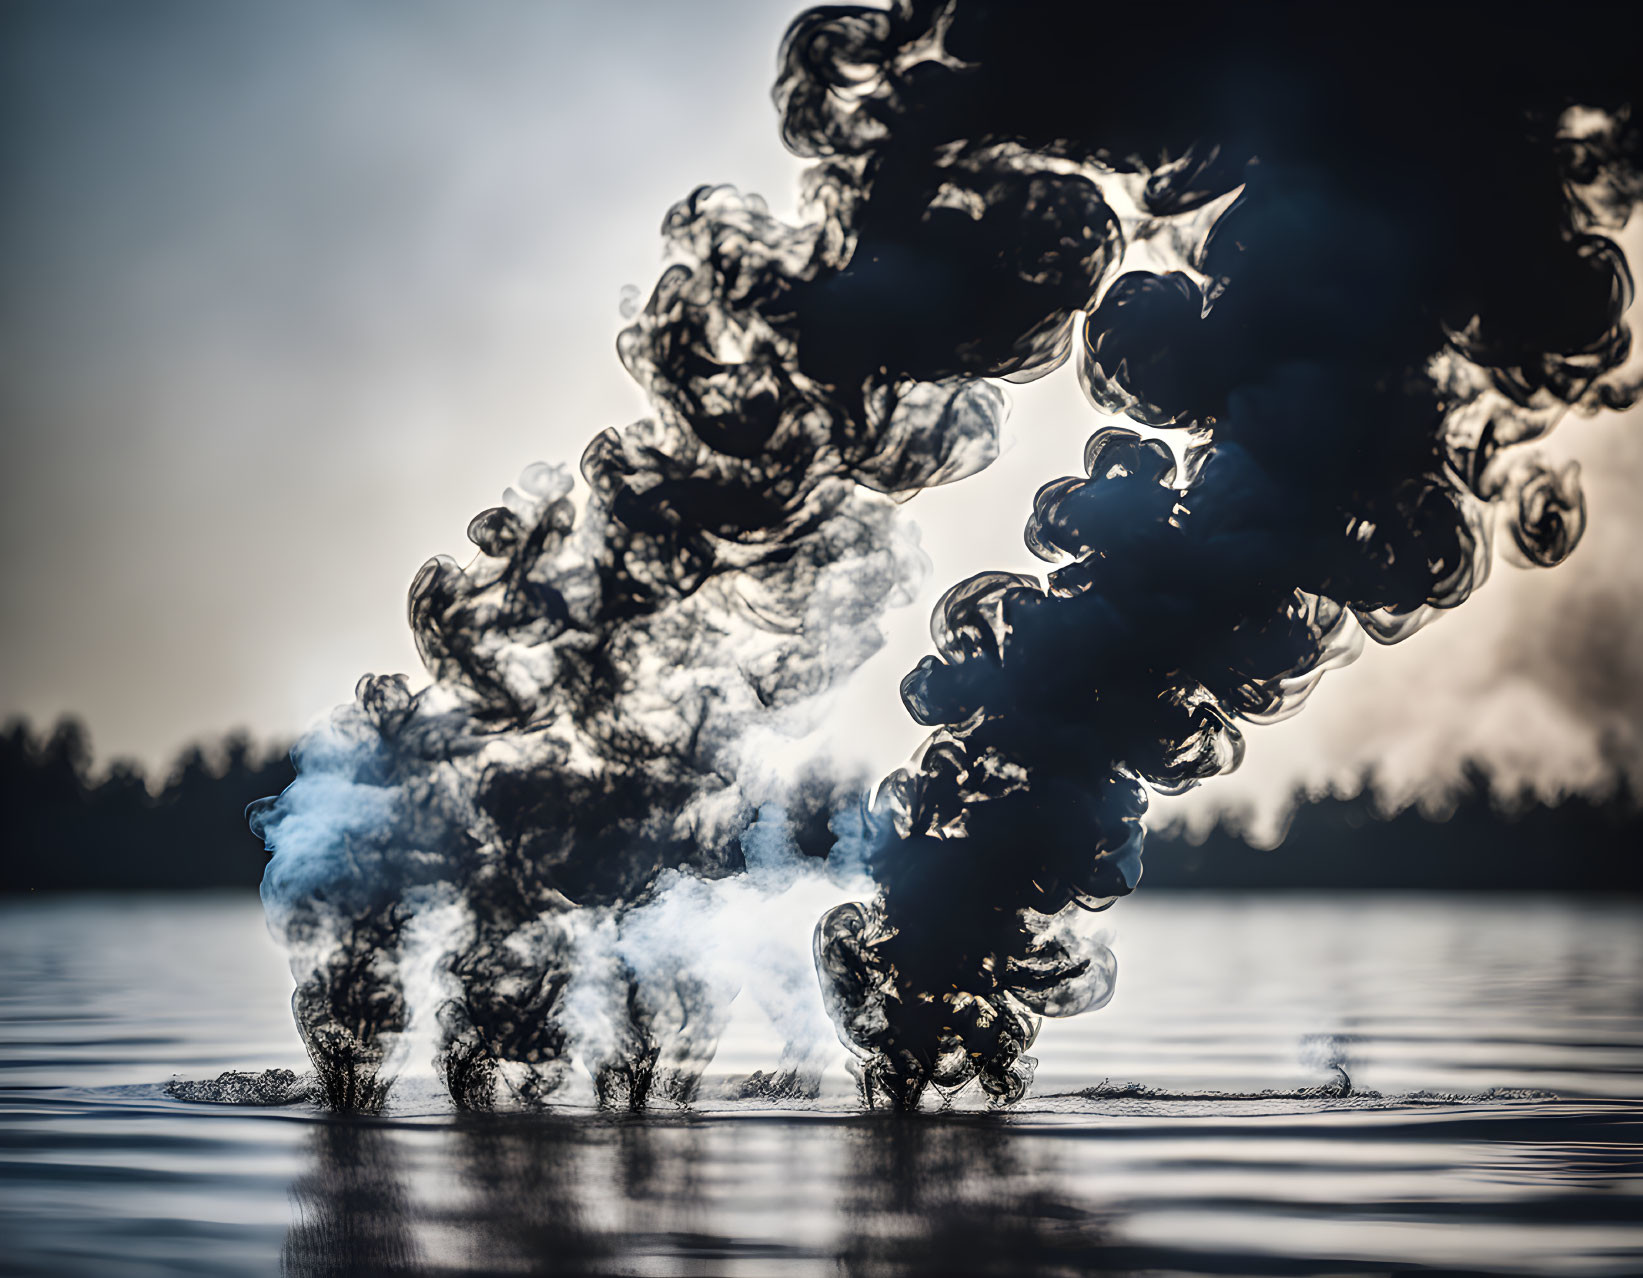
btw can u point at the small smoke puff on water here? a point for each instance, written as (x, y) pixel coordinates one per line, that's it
(1332, 1053)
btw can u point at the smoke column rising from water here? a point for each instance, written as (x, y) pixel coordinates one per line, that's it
(1397, 272)
(606, 674)
(1331, 285)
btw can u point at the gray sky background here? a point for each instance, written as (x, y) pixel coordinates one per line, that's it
(289, 292)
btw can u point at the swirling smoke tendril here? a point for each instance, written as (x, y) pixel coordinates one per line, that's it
(1335, 269)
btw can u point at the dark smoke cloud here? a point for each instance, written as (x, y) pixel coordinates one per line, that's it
(1333, 277)
(1405, 274)
(602, 675)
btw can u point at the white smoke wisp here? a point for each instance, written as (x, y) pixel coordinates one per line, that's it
(696, 947)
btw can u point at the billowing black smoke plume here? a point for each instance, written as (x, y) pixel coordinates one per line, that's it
(608, 674)
(1380, 264)
(1330, 275)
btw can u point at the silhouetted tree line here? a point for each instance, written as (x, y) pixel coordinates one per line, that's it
(62, 826)
(1586, 844)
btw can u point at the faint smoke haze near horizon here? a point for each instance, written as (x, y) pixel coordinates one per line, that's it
(290, 294)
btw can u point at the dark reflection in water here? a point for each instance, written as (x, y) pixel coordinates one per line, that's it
(885, 1195)
(960, 1197)
(351, 1210)
(1177, 1188)
(529, 1187)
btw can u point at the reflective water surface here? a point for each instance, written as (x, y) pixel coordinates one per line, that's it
(1200, 1124)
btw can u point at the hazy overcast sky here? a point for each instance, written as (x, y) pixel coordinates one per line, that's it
(290, 291)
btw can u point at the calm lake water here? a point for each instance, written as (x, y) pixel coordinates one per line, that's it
(1504, 1037)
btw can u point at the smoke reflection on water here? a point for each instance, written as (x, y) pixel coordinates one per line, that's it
(974, 1194)
(946, 1197)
